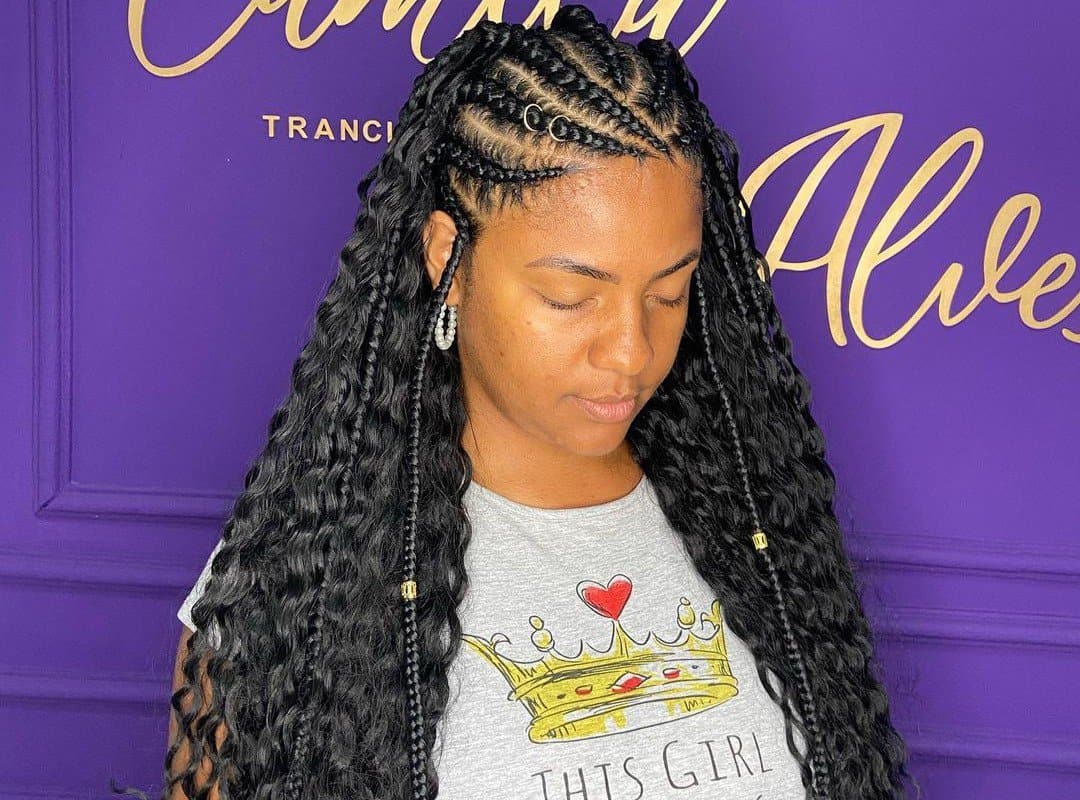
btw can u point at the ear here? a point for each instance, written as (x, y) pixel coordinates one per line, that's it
(438, 241)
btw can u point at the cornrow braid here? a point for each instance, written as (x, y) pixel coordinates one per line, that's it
(720, 173)
(491, 38)
(416, 727)
(658, 55)
(820, 773)
(332, 678)
(313, 643)
(484, 169)
(783, 372)
(543, 58)
(780, 370)
(612, 59)
(508, 108)
(719, 184)
(739, 229)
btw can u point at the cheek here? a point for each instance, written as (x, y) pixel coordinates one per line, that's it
(666, 337)
(675, 330)
(526, 352)
(543, 350)
(550, 337)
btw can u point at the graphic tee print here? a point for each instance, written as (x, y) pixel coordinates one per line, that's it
(626, 686)
(596, 665)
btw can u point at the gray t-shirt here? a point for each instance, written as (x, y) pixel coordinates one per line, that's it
(596, 665)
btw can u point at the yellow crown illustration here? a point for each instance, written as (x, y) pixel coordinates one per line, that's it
(629, 685)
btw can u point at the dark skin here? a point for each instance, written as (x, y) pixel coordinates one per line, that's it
(523, 361)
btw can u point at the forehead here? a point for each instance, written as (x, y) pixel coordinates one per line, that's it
(617, 210)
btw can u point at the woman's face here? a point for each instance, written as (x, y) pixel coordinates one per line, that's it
(583, 295)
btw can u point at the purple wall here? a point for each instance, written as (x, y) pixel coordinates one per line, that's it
(164, 255)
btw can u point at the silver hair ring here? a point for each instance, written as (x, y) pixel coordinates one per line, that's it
(525, 116)
(525, 121)
(552, 135)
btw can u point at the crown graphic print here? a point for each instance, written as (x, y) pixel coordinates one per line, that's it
(629, 685)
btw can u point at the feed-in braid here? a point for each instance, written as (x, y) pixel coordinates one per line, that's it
(818, 761)
(336, 593)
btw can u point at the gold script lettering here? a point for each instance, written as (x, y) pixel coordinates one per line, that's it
(345, 12)
(1052, 275)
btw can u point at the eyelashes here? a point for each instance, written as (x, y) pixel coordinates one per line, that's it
(664, 301)
(561, 306)
(675, 303)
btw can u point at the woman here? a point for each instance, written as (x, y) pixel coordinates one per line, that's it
(585, 546)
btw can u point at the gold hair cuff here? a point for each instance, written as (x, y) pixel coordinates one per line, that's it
(760, 543)
(408, 590)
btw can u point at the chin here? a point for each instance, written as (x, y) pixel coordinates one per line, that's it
(597, 440)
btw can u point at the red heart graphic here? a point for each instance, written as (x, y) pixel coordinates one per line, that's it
(607, 601)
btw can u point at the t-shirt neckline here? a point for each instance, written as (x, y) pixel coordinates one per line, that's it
(627, 502)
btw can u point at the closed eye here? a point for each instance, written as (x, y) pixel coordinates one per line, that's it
(561, 306)
(678, 301)
(664, 301)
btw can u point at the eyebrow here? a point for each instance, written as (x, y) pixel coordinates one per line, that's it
(589, 271)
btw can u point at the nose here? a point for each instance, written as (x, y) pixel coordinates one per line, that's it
(622, 343)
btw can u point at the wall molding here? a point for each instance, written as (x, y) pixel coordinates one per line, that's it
(55, 569)
(979, 627)
(38, 792)
(85, 689)
(1022, 558)
(983, 746)
(55, 489)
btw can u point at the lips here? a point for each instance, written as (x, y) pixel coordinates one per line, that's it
(606, 410)
(611, 398)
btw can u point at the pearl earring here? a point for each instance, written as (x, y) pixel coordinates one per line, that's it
(443, 340)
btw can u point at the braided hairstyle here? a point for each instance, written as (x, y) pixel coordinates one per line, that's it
(332, 605)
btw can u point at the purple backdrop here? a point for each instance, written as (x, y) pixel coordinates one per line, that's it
(173, 212)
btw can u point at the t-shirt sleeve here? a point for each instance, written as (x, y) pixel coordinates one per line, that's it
(184, 612)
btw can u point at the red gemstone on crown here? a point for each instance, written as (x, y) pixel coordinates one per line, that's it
(628, 681)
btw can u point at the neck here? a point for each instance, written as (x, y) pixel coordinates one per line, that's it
(539, 475)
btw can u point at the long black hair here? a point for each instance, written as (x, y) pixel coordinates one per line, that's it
(328, 674)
